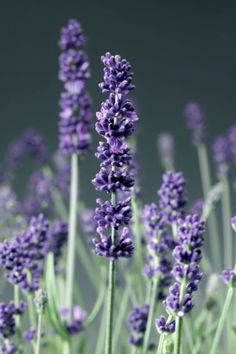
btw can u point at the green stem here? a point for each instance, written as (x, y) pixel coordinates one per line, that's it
(100, 337)
(38, 338)
(222, 320)
(179, 320)
(87, 264)
(110, 306)
(137, 231)
(151, 314)
(97, 305)
(56, 196)
(17, 302)
(121, 315)
(72, 234)
(111, 289)
(31, 310)
(212, 222)
(160, 343)
(226, 214)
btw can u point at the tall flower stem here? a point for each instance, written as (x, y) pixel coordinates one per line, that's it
(121, 314)
(222, 320)
(39, 330)
(151, 314)
(179, 321)
(100, 337)
(226, 215)
(111, 290)
(17, 302)
(212, 222)
(72, 233)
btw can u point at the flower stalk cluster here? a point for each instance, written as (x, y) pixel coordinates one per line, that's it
(187, 274)
(115, 123)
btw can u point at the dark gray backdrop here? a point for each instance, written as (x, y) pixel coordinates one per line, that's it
(180, 50)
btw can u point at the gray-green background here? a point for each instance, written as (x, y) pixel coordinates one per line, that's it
(179, 50)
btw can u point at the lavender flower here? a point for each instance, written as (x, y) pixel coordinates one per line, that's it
(35, 145)
(24, 254)
(196, 122)
(158, 246)
(75, 103)
(115, 123)
(233, 223)
(56, 239)
(163, 325)
(77, 323)
(221, 156)
(31, 144)
(137, 322)
(29, 335)
(165, 145)
(197, 207)
(172, 196)
(40, 187)
(186, 270)
(88, 222)
(228, 276)
(232, 142)
(7, 319)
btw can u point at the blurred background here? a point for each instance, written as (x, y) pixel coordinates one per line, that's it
(180, 51)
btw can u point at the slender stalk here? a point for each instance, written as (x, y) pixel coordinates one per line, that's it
(137, 231)
(111, 290)
(110, 306)
(100, 337)
(97, 305)
(160, 343)
(226, 216)
(39, 330)
(72, 234)
(17, 302)
(121, 315)
(179, 321)
(212, 222)
(222, 320)
(56, 196)
(151, 314)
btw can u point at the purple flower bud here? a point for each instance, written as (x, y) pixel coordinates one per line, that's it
(117, 75)
(195, 122)
(72, 36)
(165, 144)
(137, 322)
(228, 276)
(172, 196)
(164, 327)
(221, 155)
(233, 223)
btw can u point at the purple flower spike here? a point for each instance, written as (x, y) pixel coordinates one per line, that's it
(117, 75)
(72, 36)
(77, 323)
(186, 271)
(137, 322)
(232, 142)
(221, 156)
(196, 122)
(115, 122)
(75, 103)
(228, 276)
(172, 196)
(165, 145)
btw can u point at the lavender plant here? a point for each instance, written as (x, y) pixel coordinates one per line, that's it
(124, 276)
